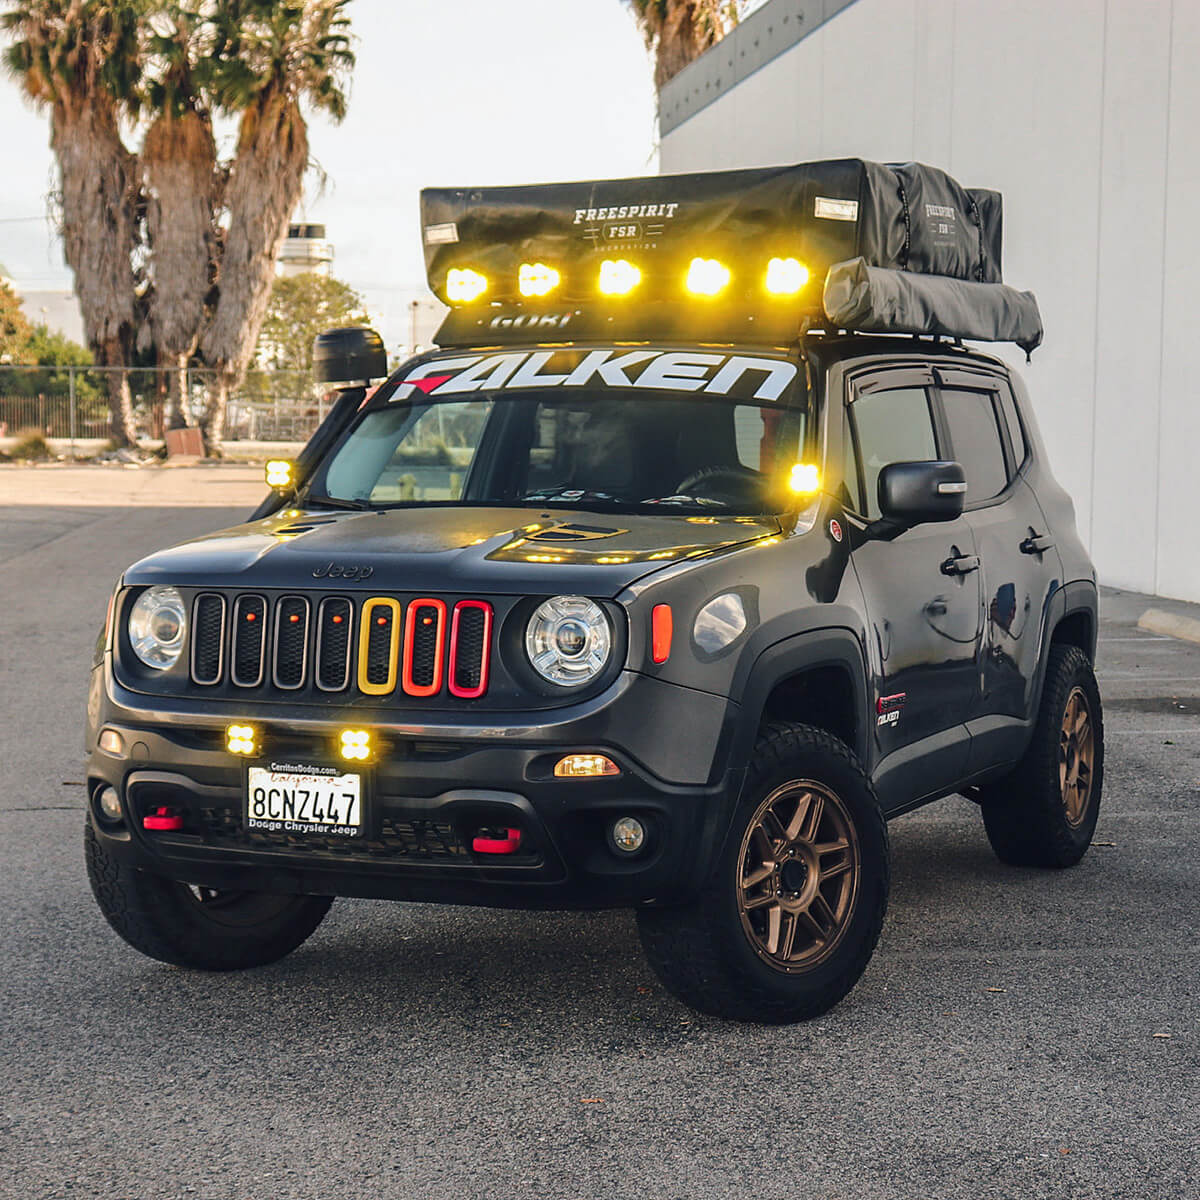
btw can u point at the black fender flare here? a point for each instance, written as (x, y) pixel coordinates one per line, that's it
(1079, 596)
(833, 646)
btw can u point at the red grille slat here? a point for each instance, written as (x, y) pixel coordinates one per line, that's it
(424, 647)
(469, 679)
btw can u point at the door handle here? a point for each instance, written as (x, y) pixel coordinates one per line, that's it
(1036, 543)
(962, 564)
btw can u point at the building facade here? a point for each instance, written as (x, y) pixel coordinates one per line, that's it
(1085, 114)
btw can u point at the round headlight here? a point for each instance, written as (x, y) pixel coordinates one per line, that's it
(568, 640)
(157, 627)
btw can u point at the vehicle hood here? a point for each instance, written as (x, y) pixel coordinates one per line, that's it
(512, 551)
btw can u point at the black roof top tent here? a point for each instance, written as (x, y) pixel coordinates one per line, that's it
(887, 248)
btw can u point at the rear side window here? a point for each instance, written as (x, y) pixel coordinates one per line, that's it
(893, 425)
(1016, 436)
(975, 441)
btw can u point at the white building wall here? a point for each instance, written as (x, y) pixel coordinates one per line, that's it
(1086, 115)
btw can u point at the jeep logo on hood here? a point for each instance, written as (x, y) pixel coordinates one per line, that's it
(339, 571)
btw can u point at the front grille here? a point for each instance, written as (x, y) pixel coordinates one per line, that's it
(249, 639)
(208, 641)
(375, 647)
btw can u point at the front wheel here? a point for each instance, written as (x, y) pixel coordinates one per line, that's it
(788, 921)
(191, 926)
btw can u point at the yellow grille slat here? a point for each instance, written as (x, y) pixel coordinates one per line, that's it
(369, 609)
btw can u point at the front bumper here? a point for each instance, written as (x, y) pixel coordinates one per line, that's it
(432, 786)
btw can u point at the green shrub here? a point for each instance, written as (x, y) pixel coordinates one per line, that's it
(31, 446)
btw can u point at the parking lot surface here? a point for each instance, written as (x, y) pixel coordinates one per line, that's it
(1018, 1033)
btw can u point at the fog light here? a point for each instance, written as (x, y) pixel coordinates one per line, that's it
(583, 766)
(111, 742)
(241, 739)
(628, 834)
(356, 744)
(110, 804)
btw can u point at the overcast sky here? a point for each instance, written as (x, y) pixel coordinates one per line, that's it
(446, 92)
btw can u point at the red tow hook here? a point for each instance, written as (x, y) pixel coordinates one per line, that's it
(485, 841)
(163, 819)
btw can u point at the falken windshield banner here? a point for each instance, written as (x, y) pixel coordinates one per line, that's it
(739, 376)
(908, 217)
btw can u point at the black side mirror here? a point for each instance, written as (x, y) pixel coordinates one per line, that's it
(912, 493)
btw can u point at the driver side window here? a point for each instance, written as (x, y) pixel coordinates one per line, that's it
(889, 425)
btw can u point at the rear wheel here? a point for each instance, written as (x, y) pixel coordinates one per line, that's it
(192, 926)
(788, 921)
(1044, 813)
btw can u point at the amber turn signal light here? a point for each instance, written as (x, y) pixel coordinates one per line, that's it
(660, 633)
(585, 766)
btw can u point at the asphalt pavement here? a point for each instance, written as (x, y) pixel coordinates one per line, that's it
(1018, 1034)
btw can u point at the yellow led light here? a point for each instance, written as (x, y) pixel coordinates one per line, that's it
(805, 479)
(786, 276)
(585, 766)
(464, 285)
(707, 277)
(618, 278)
(356, 744)
(279, 473)
(537, 279)
(241, 739)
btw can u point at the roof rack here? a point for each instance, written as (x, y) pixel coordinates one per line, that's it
(725, 256)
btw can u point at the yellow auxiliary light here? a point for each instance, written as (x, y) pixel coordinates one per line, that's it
(618, 278)
(786, 276)
(805, 479)
(707, 277)
(537, 279)
(241, 739)
(279, 474)
(464, 285)
(356, 744)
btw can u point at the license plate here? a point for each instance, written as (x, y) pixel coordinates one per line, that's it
(304, 798)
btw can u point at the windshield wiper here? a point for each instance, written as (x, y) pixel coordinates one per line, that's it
(338, 502)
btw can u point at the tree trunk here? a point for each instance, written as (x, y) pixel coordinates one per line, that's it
(265, 185)
(121, 423)
(178, 414)
(179, 159)
(212, 424)
(99, 193)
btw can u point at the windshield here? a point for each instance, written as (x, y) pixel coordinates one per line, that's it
(607, 448)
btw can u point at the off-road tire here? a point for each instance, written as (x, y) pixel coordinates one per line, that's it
(1025, 813)
(168, 921)
(705, 955)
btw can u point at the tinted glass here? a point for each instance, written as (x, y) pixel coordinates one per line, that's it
(1008, 407)
(975, 442)
(891, 426)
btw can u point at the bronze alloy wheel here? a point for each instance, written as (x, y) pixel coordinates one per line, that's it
(1076, 756)
(798, 875)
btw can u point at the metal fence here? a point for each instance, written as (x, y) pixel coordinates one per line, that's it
(72, 403)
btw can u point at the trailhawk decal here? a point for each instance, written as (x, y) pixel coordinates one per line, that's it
(751, 376)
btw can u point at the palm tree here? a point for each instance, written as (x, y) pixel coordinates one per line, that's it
(271, 56)
(679, 31)
(183, 192)
(80, 60)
